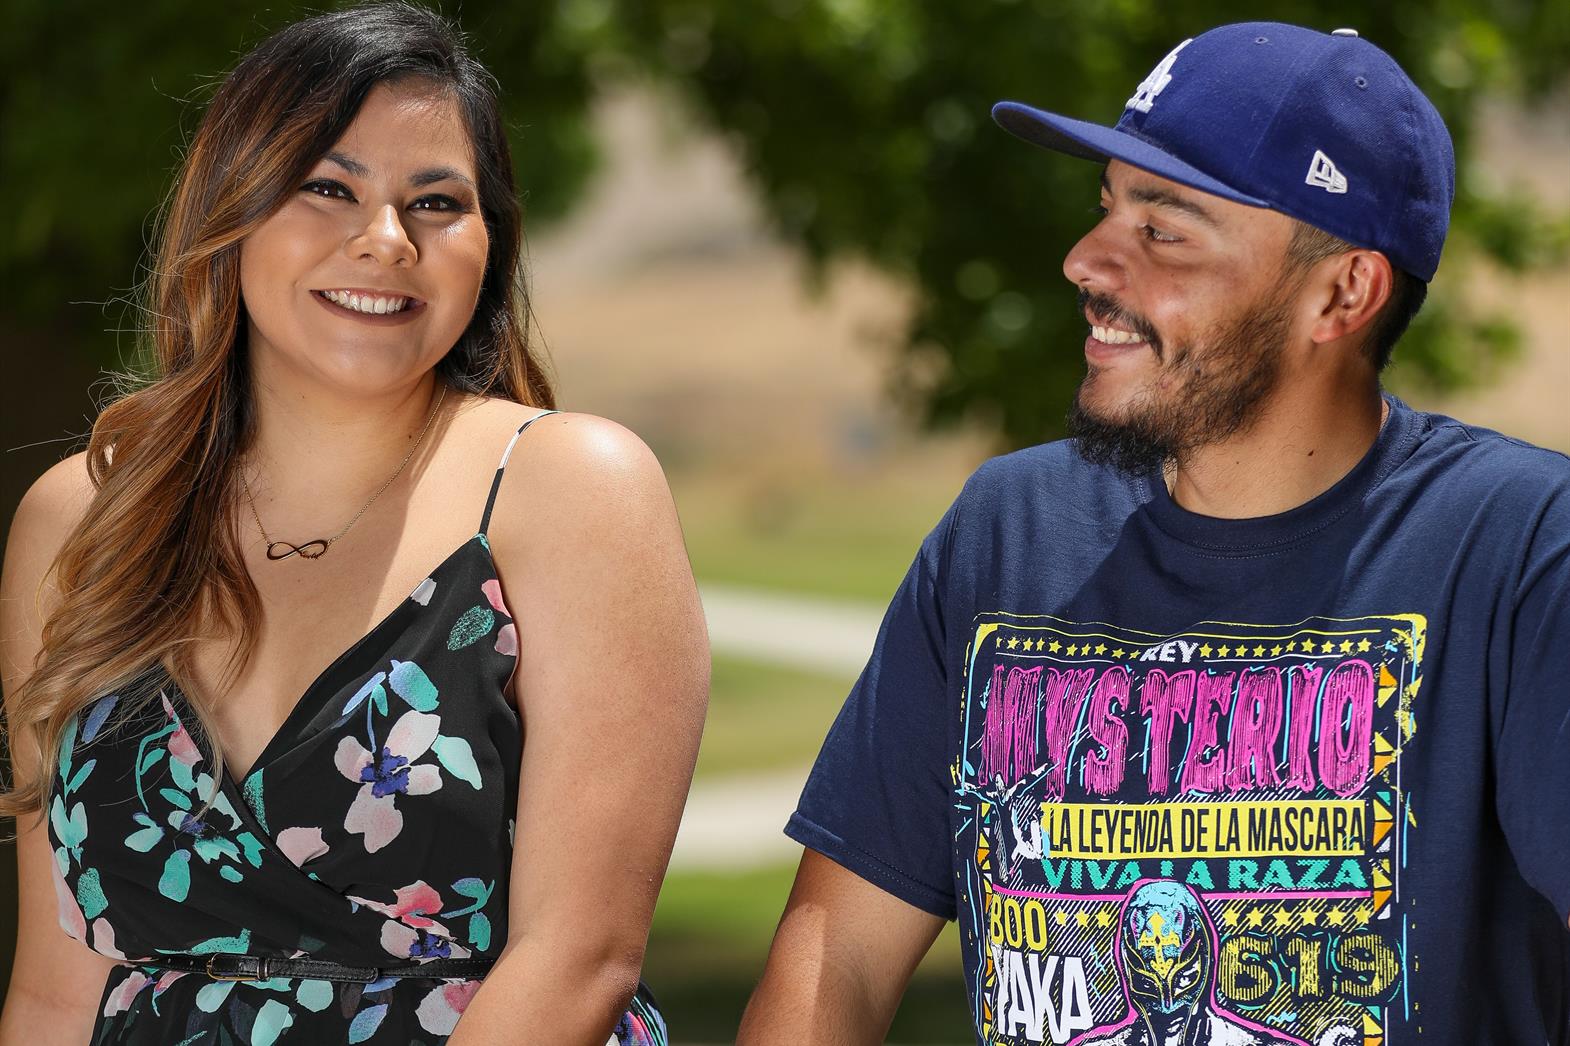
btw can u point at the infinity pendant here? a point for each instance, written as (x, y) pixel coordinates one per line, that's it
(309, 550)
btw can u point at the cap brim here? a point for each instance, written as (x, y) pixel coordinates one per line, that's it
(1092, 141)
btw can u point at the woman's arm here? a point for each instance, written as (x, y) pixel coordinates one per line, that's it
(612, 679)
(56, 980)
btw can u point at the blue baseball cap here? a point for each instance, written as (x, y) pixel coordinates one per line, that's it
(1324, 127)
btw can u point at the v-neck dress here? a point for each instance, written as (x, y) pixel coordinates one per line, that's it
(375, 829)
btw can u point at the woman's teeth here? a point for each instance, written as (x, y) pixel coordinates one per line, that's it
(366, 303)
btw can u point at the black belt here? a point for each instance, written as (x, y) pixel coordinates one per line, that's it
(228, 966)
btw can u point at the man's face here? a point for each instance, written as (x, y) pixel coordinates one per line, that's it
(1190, 303)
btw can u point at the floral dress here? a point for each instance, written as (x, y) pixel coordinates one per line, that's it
(375, 829)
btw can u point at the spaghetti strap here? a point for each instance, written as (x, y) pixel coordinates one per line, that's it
(490, 502)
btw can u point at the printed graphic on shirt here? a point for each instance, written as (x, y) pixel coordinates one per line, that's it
(1193, 838)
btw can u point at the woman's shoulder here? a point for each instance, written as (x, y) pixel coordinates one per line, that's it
(562, 449)
(570, 472)
(50, 510)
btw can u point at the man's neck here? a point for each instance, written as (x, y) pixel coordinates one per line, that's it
(1296, 449)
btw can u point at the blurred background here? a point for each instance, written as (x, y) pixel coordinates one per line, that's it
(781, 240)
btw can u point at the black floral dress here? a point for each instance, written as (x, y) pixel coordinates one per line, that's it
(375, 829)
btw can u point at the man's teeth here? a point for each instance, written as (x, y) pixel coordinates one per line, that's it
(366, 303)
(1113, 336)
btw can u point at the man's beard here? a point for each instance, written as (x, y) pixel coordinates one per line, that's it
(1218, 382)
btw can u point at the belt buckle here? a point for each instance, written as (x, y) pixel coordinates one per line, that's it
(258, 975)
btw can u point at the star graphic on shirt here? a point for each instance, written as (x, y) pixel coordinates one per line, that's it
(1054, 646)
(1259, 651)
(1292, 646)
(1310, 915)
(1346, 646)
(1101, 648)
(1013, 642)
(1275, 651)
(1118, 652)
(1283, 918)
(1083, 918)
(1363, 646)
(1335, 916)
(1073, 650)
(1308, 645)
(1364, 914)
(1256, 918)
(1061, 916)
(1230, 918)
(1205, 650)
(1224, 651)
(1103, 918)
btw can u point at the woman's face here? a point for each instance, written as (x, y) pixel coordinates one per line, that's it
(370, 271)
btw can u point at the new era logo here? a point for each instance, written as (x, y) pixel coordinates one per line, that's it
(1156, 82)
(1323, 174)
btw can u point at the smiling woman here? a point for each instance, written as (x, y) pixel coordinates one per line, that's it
(244, 846)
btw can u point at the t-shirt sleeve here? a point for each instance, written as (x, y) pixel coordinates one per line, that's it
(1532, 760)
(878, 797)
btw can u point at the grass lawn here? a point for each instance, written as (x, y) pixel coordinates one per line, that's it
(851, 537)
(711, 936)
(764, 718)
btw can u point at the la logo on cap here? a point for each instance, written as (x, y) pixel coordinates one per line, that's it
(1156, 82)
(1323, 174)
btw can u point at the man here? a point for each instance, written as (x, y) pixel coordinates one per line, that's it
(1241, 718)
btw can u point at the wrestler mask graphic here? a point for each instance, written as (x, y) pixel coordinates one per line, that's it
(1167, 954)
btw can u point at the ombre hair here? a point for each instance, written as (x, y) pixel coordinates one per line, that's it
(154, 565)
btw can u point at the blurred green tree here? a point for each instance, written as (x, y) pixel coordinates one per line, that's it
(863, 123)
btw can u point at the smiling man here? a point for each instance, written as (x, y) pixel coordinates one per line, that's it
(1243, 717)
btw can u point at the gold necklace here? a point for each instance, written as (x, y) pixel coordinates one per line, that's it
(314, 548)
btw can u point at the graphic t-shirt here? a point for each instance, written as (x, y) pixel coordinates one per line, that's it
(1297, 779)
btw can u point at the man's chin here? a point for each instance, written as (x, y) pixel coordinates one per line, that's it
(1120, 443)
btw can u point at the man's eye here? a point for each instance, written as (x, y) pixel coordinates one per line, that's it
(1155, 235)
(1099, 210)
(330, 189)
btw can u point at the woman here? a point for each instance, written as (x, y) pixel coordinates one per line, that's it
(244, 846)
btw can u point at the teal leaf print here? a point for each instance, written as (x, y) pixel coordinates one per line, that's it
(457, 758)
(175, 883)
(211, 996)
(251, 792)
(480, 931)
(81, 776)
(144, 839)
(366, 1022)
(71, 831)
(253, 849)
(152, 756)
(96, 716)
(231, 873)
(315, 995)
(372, 684)
(271, 1020)
(237, 944)
(473, 889)
(472, 626)
(90, 895)
(181, 775)
(174, 795)
(67, 749)
(410, 682)
(210, 849)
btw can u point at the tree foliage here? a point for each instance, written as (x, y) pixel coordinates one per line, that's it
(863, 123)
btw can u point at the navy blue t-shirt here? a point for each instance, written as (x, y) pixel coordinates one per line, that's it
(1296, 779)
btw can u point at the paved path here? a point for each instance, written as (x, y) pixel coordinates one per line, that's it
(734, 823)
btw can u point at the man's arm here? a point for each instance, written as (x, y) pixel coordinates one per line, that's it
(841, 958)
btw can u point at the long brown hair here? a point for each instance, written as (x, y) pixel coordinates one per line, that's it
(155, 558)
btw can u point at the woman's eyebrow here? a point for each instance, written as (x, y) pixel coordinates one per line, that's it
(418, 179)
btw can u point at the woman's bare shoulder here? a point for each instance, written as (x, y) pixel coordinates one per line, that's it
(47, 514)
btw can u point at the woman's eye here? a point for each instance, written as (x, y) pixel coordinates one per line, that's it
(438, 203)
(329, 189)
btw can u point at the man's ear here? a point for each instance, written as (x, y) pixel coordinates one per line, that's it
(1354, 287)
